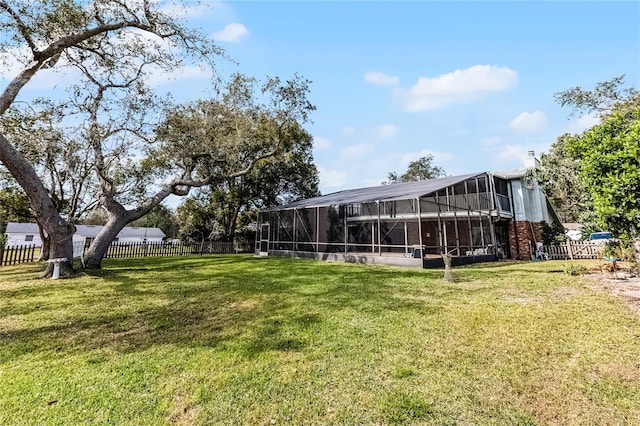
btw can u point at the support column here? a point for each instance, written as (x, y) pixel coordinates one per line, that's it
(379, 232)
(419, 226)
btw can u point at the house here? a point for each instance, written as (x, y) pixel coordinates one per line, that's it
(28, 234)
(21, 234)
(474, 217)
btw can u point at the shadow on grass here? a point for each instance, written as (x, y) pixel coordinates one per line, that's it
(251, 303)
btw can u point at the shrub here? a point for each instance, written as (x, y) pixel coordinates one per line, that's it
(622, 249)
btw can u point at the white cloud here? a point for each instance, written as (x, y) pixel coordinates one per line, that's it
(332, 178)
(583, 123)
(513, 152)
(386, 131)
(381, 79)
(348, 130)
(529, 122)
(321, 143)
(231, 33)
(455, 87)
(438, 157)
(356, 151)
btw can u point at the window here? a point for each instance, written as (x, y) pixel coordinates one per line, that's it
(28, 238)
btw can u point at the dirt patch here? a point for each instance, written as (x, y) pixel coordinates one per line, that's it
(620, 283)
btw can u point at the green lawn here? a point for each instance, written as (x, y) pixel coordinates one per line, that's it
(259, 341)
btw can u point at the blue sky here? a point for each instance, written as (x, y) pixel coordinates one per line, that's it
(470, 82)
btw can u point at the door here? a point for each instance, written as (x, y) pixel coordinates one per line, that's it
(264, 239)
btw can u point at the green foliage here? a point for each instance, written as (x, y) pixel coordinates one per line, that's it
(14, 205)
(573, 269)
(562, 174)
(160, 217)
(558, 176)
(602, 100)
(621, 248)
(610, 169)
(421, 169)
(3, 241)
(229, 136)
(553, 233)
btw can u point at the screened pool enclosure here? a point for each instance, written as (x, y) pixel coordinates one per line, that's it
(407, 223)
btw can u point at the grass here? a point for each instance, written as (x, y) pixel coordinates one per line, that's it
(245, 340)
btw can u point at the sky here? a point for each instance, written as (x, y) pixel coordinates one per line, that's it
(471, 83)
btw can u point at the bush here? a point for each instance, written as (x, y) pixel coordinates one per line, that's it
(553, 234)
(622, 249)
(573, 270)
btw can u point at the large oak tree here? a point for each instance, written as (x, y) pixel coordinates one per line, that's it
(114, 47)
(109, 34)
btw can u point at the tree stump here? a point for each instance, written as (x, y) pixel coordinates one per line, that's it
(448, 274)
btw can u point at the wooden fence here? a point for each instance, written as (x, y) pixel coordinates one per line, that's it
(575, 250)
(120, 250)
(18, 254)
(26, 254)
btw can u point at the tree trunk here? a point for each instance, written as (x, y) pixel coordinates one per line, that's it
(60, 246)
(46, 245)
(448, 274)
(99, 246)
(60, 232)
(636, 246)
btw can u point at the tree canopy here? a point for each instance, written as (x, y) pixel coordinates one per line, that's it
(605, 159)
(218, 210)
(609, 156)
(140, 150)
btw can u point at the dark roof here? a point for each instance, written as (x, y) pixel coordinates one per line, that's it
(392, 192)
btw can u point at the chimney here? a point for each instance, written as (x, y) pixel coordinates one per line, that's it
(531, 162)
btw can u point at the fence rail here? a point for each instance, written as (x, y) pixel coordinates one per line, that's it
(25, 254)
(575, 250)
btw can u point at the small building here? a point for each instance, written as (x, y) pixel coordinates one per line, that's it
(474, 217)
(28, 234)
(22, 234)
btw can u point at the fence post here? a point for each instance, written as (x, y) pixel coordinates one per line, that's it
(569, 249)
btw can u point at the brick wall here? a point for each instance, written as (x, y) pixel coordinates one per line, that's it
(522, 237)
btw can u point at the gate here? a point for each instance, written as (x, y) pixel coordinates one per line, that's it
(264, 239)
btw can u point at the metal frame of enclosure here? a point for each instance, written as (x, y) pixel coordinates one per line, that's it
(406, 223)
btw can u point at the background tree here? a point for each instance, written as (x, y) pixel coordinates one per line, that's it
(199, 144)
(606, 157)
(161, 217)
(14, 204)
(105, 34)
(558, 176)
(421, 169)
(610, 170)
(224, 207)
(560, 166)
(602, 100)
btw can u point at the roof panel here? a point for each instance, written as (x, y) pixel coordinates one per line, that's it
(397, 191)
